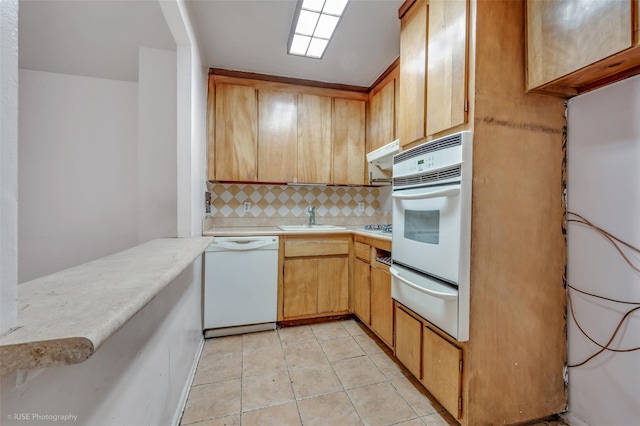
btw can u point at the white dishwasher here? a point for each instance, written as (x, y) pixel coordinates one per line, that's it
(240, 285)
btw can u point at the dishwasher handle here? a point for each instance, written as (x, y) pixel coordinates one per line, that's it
(245, 243)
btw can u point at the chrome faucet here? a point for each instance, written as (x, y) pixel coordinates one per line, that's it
(312, 215)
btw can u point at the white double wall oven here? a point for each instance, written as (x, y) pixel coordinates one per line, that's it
(432, 231)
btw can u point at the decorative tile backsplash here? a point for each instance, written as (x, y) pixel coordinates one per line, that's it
(291, 201)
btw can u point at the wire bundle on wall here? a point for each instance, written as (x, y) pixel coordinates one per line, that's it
(615, 241)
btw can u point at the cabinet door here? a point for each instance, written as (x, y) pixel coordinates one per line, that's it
(300, 287)
(348, 141)
(361, 290)
(382, 305)
(413, 61)
(557, 45)
(446, 65)
(382, 116)
(277, 136)
(442, 371)
(408, 347)
(236, 133)
(314, 139)
(333, 285)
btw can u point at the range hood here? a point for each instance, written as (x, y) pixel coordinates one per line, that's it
(381, 162)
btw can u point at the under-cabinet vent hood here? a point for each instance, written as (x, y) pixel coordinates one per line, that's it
(381, 162)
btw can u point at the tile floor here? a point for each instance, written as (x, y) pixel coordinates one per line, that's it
(334, 373)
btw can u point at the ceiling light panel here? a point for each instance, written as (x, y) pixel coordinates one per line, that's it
(307, 22)
(315, 23)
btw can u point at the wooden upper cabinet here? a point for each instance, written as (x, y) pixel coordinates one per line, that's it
(314, 139)
(446, 65)
(348, 141)
(382, 114)
(236, 130)
(277, 136)
(575, 46)
(413, 63)
(269, 132)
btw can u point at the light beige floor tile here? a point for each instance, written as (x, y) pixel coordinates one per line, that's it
(266, 390)
(389, 366)
(262, 361)
(341, 348)
(358, 371)
(314, 380)
(439, 419)
(218, 368)
(296, 335)
(371, 344)
(260, 340)
(328, 410)
(213, 400)
(413, 422)
(222, 345)
(329, 330)
(423, 403)
(355, 328)
(279, 415)
(380, 404)
(221, 421)
(303, 354)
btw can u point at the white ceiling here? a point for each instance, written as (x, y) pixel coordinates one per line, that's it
(100, 38)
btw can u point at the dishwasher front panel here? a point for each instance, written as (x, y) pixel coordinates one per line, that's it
(241, 288)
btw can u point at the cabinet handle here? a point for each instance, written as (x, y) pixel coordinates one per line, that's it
(438, 294)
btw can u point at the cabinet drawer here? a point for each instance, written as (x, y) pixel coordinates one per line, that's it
(316, 247)
(362, 251)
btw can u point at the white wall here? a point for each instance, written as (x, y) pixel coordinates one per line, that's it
(8, 162)
(192, 99)
(78, 170)
(604, 187)
(157, 165)
(140, 376)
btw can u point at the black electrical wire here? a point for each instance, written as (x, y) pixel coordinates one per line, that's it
(613, 240)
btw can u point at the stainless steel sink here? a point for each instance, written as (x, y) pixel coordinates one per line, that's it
(307, 227)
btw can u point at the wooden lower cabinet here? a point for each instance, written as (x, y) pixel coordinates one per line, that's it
(430, 357)
(315, 278)
(442, 370)
(408, 347)
(362, 290)
(372, 301)
(381, 305)
(333, 285)
(300, 290)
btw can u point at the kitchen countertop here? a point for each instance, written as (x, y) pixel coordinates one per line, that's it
(239, 231)
(63, 318)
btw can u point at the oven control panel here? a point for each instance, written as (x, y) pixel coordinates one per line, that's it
(436, 156)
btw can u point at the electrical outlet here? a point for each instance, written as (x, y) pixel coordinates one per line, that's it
(360, 206)
(246, 206)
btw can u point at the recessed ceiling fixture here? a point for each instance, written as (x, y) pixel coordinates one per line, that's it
(313, 26)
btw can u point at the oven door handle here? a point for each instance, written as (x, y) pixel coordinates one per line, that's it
(451, 192)
(438, 294)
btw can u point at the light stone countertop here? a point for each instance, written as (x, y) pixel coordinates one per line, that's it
(251, 231)
(63, 318)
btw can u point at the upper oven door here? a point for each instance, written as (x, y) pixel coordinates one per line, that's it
(426, 230)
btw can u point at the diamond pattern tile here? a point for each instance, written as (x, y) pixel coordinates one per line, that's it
(282, 201)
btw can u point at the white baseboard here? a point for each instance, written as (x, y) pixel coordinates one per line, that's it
(177, 416)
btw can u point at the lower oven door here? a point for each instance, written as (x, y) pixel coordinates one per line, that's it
(427, 229)
(433, 300)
